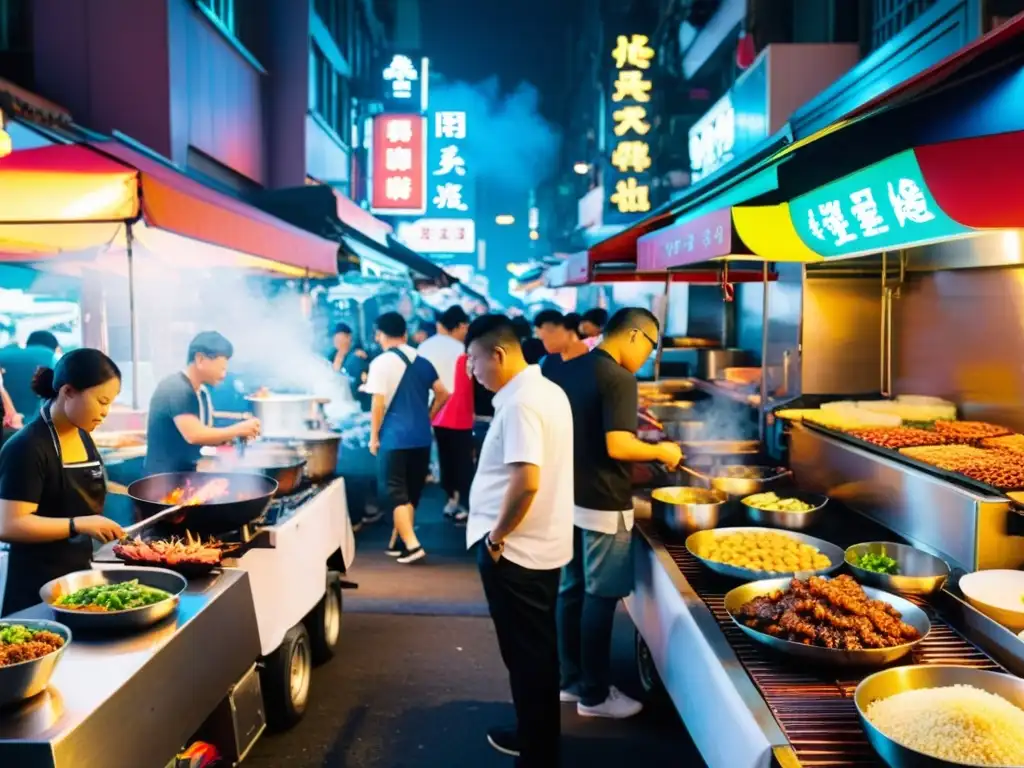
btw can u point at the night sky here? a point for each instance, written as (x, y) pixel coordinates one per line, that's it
(516, 40)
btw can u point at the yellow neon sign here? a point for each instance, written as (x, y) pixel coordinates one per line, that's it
(632, 156)
(634, 51)
(632, 55)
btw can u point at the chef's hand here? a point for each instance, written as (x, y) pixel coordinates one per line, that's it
(248, 429)
(671, 455)
(374, 445)
(99, 527)
(495, 553)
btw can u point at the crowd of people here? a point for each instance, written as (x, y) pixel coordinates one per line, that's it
(544, 487)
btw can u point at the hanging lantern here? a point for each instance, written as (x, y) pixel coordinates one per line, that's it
(746, 52)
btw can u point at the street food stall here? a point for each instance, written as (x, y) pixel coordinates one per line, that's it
(820, 602)
(225, 643)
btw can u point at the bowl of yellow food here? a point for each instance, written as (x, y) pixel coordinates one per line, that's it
(753, 554)
(794, 510)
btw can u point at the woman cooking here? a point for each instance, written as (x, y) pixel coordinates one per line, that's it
(52, 482)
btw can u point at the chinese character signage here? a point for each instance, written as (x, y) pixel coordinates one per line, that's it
(627, 182)
(713, 139)
(451, 184)
(886, 205)
(399, 150)
(406, 81)
(691, 242)
(439, 235)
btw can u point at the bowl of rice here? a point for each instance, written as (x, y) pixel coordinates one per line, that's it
(936, 715)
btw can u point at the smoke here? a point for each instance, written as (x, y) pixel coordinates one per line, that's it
(276, 344)
(508, 141)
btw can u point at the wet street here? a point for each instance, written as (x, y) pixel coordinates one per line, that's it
(418, 680)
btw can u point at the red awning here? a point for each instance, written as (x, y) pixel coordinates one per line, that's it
(361, 220)
(1009, 33)
(78, 196)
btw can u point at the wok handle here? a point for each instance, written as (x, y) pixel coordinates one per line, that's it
(231, 415)
(134, 528)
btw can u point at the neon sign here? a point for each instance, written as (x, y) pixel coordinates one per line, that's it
(631, 153)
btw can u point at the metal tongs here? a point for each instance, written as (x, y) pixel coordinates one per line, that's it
(206, 493)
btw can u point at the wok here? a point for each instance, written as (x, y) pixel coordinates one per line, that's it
(280, 463)
(249, 497)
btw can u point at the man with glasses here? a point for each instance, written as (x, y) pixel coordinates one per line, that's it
(601, 387)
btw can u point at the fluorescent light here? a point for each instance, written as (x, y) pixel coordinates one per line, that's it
(582, 168)
(504, 219)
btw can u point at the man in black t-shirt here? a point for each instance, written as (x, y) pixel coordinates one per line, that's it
(601, 387)
(180, 418)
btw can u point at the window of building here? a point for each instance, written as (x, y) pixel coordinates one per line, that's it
(14, 25)
(336, 16)
(890, 17)
(329, 94)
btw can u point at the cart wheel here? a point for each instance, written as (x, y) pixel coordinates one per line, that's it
(324, 623)
(285, 679)
(650, 680)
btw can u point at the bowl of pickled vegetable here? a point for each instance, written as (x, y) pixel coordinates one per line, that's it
(114, 598)
(897, 567)
(794, 510)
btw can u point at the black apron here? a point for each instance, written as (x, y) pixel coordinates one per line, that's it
(83, 491)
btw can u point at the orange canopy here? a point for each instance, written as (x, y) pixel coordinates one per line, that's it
(75, 197)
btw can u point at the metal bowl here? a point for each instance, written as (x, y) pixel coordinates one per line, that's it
(868, 657)
(676, 410)
(692, 509)
(889, 682)
(742, 480)
(27, 678)
(133, 618)
(794, 521)
(697, 541)
(920, 573)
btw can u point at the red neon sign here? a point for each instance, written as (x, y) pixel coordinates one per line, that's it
(399, 165)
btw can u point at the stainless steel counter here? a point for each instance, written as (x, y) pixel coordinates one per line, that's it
(968, 528)
(134, 700)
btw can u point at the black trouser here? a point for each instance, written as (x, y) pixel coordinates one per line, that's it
(455, 453)
(522, 605)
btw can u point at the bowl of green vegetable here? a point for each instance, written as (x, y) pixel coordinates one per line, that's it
(114, 598)
(897, 567)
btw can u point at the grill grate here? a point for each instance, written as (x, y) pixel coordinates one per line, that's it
(814, 709)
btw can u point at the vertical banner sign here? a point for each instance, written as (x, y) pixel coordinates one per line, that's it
(451, 183)
(628, 179)
(399, 151)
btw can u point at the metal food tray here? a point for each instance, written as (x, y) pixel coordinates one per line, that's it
(867, 657)
(889, 453)
(831, 551)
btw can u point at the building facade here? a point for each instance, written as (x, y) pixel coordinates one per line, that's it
(242, 95)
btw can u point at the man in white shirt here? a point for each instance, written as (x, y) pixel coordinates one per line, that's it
(454, 451)
(520, 512)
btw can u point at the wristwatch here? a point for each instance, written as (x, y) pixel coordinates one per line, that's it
(72, 528)
(492, 546)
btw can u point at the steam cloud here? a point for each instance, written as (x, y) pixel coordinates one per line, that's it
(508, 141)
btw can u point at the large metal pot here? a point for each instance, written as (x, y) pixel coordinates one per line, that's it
(278, 462)
(320, 449)
(711, 363)
(287, 414)
(686, 510)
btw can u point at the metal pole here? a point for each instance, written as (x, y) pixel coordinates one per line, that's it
(761, 412)
(664, 329)
(132, 319)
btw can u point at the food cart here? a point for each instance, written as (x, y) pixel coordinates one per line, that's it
(867, 343)
(239, 650)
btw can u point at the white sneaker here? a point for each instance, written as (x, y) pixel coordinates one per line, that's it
(451, 507)
(568, 697)
(461, 515)
(617, 706)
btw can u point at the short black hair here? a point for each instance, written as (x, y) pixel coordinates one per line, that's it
(546, 317)
(392, 325)
(597, 316)
(493, 330)
(522, 327)
(629, 318)
(453, 317)
(209, 344)
(342, 328)
(42, 339)
(571, 322)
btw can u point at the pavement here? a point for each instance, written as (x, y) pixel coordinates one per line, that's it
(418, 680)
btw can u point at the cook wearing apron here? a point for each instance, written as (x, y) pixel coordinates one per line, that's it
(68, 491)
